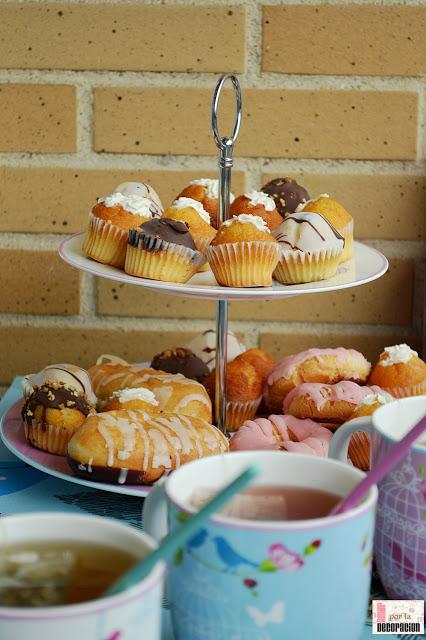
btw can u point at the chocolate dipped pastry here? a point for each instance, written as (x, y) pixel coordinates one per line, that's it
(51, 414)
(67, 374)
(287, 194)
(162, 249)
(181, 360)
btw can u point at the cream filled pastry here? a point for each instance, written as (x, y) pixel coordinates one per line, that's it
(314, 365)
(136, 398)
(310, 248)
(144, 190)
(66, 374)
(332, 403)
(282, 432)
(400, 372)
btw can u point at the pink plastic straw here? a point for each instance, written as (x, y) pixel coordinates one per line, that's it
(397, 452)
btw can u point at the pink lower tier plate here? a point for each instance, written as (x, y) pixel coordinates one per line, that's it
(12, 434)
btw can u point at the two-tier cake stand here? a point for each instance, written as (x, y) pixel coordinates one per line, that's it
(367, 264)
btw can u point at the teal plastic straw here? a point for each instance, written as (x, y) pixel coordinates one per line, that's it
(177, 538)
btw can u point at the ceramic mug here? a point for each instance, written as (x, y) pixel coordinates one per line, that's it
(400, 539)
(267, 580)
(128, 615)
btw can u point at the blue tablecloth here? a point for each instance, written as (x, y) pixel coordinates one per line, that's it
(24, 489)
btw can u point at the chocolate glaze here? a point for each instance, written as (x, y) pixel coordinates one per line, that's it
(105, 474)
(287, 194)
(57, 396)
(165, 229)
(181, 360)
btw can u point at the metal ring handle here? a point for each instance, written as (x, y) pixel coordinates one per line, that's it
(223, 143)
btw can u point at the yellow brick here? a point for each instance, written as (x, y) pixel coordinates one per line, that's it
(345, 40)
(277, 123)
(385, 301)
(389, 207)
(35, 347)
(37, 282)
(56, 200)
(369, 344)
(37, 118)
(121, 37)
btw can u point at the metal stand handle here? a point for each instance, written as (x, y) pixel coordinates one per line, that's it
(225, 161)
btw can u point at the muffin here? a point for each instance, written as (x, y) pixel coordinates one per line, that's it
(145, 191)
(109, 224)
(206, 191)
(287, 194)
(359, 444)
(181, 360)
(337, 216)
(311, 248)
(138, 398)
(204, 346)
(196, 217)
(162, 249)
(243, 392)
(400, 372)
(51, 414)
(243, 253)
(68, 374)
(257, 203)
(262, 361)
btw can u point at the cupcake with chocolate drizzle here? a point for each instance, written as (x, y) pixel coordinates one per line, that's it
(162, 249)
(310, 248)
(52, 413)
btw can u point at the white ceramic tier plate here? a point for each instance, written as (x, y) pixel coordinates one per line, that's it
(367, 265)
(12, 434)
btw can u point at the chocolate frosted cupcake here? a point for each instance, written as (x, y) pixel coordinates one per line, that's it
(51, 414)
(162, 249)
(287, 194)
(181, 360)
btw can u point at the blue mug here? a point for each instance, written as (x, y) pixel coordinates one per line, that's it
(267, 580)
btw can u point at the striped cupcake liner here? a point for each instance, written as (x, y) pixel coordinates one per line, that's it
(105, 242)
(244, 264)
(299, 266)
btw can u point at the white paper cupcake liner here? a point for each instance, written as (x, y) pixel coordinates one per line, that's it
(238, 412)
(48, 437)
(105, 242)
(244, 264)
(299, 266)
(405, 392)
(348, 233)
(157, 259)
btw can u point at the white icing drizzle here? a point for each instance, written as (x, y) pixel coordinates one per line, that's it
(195, 433)
(184, 203)
(259, 197)
(182, 433)
(122, 476)
(146, 448)
(161, 456)
(399, 353)
(191, 397)
(209, 439)
(109, 442)
(89, 465)
(138, 205)
(257, 221)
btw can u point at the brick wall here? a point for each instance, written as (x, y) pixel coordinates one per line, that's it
(94, 93)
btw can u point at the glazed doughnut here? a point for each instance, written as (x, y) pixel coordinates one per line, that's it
(314, 365)
(282, 432)
(174, 392)
(134, 447)
(332, 403)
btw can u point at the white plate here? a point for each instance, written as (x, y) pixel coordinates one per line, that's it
(367, 265)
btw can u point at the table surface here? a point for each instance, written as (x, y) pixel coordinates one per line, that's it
(24, 489)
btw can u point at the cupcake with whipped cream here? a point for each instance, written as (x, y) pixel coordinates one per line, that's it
(138, 398)
(196, 217)
(360, 442)
(145, 191)
(337, 216)
(109, 224)
(206, 191)
(257, 203)
(400, 372)
(244, 253)
(310, 248)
